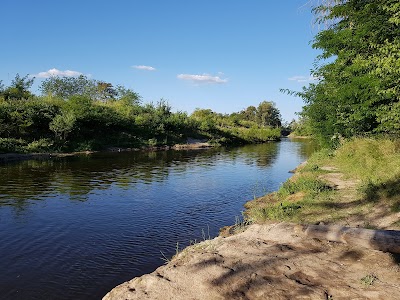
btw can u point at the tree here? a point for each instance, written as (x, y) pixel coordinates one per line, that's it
(66, 87)
(19, 88)
(105, 91)
(62, 125)
(128, 96)
(249, 114)
(268, 115)
(358, 89)
(205, 119)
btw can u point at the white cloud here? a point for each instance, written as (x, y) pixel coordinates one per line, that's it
(55, 72)
(205, 78)
(303, 78)
(146, 68)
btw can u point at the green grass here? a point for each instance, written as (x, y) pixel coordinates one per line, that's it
(372, 164)
(308, 183)
(369, 279)
(275, 211)
(240, 224)
(370, 160)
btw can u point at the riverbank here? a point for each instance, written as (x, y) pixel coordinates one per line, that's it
(268, 262)
(270, 259)
(190, 145)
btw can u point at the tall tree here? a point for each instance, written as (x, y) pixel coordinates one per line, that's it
(249, 113)
(128, 96)
(66, 87)
(19, 88)
(358, 89)
(105, 91)
(268, 115)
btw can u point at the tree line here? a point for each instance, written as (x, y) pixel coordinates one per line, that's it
(357, 91)
(79, 113)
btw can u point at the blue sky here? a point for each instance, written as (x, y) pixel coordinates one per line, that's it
(218, 54)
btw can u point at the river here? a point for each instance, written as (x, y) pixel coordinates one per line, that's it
(75, 227)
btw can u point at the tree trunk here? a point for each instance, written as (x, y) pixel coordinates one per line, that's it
(384, 240)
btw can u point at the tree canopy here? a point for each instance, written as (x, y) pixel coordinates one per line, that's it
(358, 71)
(66, 87)
(19, 88)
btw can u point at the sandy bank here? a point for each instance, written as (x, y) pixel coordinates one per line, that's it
(269, 262)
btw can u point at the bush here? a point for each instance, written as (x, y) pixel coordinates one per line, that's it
(42, 145)
(8, 145)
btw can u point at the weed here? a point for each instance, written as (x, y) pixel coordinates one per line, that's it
(203, 234)
(178, 250)
(257, 189)
(371, 160)
(165, 258)
(369, 279)
(241, 223)
(369, 191)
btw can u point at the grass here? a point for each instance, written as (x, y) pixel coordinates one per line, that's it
(369, 279)
(308, 197)
(240, 224)
(296, 197)
(307, 183)
(165, 258)
(374, 160)
(371, 165)
(206, 237)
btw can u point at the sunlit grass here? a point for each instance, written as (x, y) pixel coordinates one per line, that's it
(373, 165)
(371, 160)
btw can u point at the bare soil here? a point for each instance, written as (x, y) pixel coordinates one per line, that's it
(269, 262)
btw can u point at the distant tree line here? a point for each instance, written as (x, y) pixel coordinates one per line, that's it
(79, 113)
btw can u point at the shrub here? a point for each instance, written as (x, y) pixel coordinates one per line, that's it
(8, 145)
(42, 145)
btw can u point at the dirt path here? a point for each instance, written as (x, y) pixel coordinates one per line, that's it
(374, 215)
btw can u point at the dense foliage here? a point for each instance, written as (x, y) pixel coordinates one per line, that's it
(358, 90)
(78, 113)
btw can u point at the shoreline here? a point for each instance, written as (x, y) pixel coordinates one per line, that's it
(270, 261)
(192, 144)
(273, 260)
(14, 157)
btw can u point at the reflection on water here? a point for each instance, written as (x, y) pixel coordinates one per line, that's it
(78, 176)
(75, 227)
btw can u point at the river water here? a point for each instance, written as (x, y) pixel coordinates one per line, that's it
(74, 228)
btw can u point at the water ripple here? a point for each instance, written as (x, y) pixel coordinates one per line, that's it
(73, 228)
